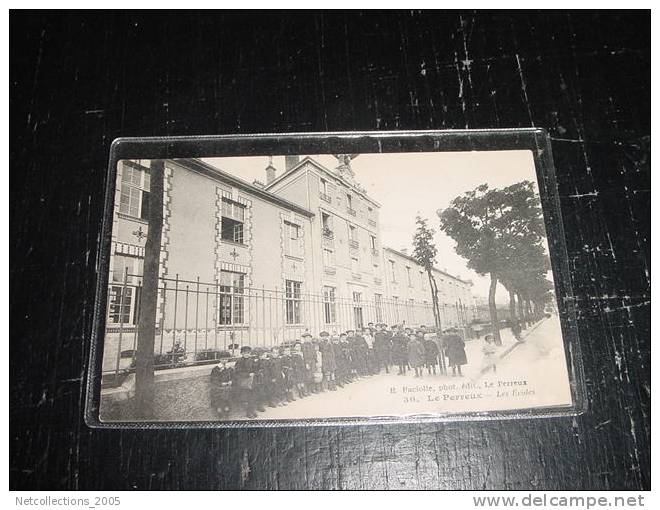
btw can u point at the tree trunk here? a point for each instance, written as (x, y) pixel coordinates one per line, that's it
(521, 312)
(436, 316)
(144, 356)
(493, 309)
(512, 306)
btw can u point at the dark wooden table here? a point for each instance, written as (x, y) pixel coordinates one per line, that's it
(80, 80)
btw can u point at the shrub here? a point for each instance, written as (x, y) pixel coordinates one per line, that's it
(211, 354)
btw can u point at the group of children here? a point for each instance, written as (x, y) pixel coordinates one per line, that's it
(271, 377)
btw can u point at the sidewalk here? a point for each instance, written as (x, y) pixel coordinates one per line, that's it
(509, 345)
(372, 395)
(475, 365)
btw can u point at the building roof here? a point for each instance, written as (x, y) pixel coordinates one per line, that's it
(217, 174)
(307, 159)
(412, 259)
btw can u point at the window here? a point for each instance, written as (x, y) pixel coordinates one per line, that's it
(349, 205)
(395, 301)
(121, 306)
(293, 302)
(353, 236)
(409, 276)
(233, 217)
(134, 192)
(370, 217)
(324, 191)
(393, 271)
(355, 265)
(129, 267)
(326, 225)
(411, 311)
(124, 308)
(378, 305)
(357, 310)
(328, 257)
(329, 305)
(232, 304)
(292, 240)
(374, 246)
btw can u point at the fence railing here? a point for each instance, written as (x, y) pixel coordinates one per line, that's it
(198, 322)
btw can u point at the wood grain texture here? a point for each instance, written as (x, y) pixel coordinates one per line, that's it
(80, 80)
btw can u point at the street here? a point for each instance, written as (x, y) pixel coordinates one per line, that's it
(532, 374)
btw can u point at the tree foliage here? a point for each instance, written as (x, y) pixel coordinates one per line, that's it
(424, 250)
(424, 253)
(500, 233)
(487, 224)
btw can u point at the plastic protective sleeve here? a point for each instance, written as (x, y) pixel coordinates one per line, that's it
(533, 139)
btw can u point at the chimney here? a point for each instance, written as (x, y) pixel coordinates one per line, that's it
(404, 251)
(290, 162)
(271, 172)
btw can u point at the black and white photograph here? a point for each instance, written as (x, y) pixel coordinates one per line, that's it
(402, 249)
(329, 286)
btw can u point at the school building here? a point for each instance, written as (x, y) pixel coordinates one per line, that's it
(260, 263)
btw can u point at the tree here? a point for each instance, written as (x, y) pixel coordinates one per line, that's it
(526, 264)
(540, 294)
(425, 252)
(144, 356)
(491, 227)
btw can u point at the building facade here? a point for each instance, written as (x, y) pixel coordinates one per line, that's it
(260, 264)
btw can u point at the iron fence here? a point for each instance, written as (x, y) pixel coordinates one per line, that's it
(198, 322)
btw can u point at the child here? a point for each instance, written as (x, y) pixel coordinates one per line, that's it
(490, 353)
(220, 392)
(416, 354)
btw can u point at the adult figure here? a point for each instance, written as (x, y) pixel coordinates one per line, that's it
(430, 353)
(455, 351)
(382, 348)
(309, 358)
(371, 356)
(400, 350)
